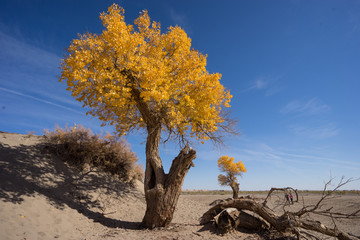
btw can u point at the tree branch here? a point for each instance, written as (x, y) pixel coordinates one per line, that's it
(180, 166)
(285, 190)
(293, 222)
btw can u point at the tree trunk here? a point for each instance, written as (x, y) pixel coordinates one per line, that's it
(235, 187)
(162, 190)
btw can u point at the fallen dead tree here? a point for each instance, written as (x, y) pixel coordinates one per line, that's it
(234, 214)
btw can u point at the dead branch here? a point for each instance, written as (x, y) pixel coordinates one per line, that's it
(297, 223)
(325, 194)
(286, 190)
(287, 222)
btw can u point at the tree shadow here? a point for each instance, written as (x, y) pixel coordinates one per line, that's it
(209, 228)
(265, 234)
(26, 171)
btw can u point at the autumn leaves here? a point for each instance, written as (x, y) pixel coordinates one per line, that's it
(231, 170)
(135, 77)
(171, 77)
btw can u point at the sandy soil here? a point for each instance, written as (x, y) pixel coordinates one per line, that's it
(42, 198)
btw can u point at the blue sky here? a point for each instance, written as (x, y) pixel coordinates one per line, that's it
(293, 69)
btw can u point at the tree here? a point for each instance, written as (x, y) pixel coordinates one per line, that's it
(135, 77)
(231, 169)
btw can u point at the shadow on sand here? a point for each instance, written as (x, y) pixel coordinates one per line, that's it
(29, 170)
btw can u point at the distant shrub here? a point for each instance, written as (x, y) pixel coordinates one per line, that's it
(82, 148)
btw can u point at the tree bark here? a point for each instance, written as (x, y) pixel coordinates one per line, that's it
(235, 188)
(162, 190)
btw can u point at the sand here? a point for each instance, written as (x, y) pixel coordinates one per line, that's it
(43, 198)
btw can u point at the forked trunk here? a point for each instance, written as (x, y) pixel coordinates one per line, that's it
(162, 190)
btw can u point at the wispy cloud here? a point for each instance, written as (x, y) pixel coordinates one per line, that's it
(271, 165)
(29, 71)
(29, 88)
(266, 84)
(40, 100)
(312, 126)
(263, 152)
(259, 83)
(13, 50)
(354, 22)
(178, 19)
(321, 132)
(310, 107)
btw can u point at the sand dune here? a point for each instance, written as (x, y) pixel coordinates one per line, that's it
(42, 198)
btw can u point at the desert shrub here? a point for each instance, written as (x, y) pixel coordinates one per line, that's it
(83, 149)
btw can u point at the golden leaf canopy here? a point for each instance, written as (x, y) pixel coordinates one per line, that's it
(118, 72)
(227, 164)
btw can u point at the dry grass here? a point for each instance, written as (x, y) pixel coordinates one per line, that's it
(82, 148)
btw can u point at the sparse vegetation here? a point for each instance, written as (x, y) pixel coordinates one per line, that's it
(85, 150)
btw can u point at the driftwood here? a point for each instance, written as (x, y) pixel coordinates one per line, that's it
(226, 216)
(231, 218)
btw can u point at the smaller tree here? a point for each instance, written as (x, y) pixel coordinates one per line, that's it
(231, 170)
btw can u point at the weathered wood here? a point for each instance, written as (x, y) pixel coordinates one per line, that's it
(162, 190)
(244, 204)
(288, 222)
(231, 218)
(235, 187)
(226, 219)
(321, 228)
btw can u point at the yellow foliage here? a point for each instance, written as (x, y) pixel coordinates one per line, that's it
(231, 168)
(227, 164)
(104, 71)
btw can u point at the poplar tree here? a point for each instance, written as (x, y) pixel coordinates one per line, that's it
(134, 77)
(231, 170)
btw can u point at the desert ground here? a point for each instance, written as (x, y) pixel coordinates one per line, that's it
(42, 198)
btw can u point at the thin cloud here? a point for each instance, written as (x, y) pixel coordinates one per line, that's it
(321, 132)
(266, 84)
(261, 152)
(310, 107)
(39, 100)
(264, 161)
(30, 71)
(178, 19)
(258, 84)
(317, 158)
(13, 50)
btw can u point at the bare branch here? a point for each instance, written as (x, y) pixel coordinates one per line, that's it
(285, 190)
(294, 223)
(325, 194)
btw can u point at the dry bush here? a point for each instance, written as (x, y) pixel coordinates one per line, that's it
(82, 148)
